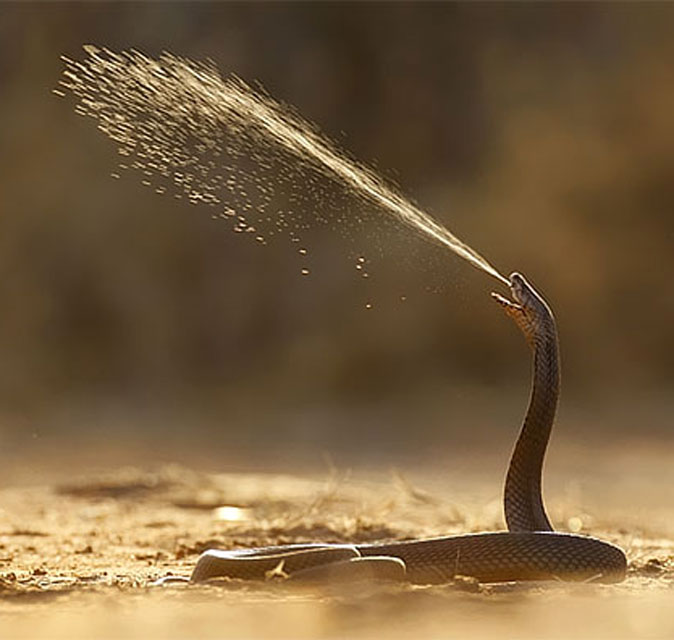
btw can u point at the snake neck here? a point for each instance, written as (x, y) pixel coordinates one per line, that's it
(523, 502)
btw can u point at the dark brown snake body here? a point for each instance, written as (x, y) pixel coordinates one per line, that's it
(529, 550)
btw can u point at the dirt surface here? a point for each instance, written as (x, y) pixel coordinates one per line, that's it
(79, 558)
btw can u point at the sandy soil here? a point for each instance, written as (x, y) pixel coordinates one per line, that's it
(78, 559)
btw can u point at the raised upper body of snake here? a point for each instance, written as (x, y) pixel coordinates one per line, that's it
(529, 550)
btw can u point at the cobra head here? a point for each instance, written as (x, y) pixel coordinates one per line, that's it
(527, 308)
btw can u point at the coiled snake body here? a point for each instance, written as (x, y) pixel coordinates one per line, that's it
(529, 550)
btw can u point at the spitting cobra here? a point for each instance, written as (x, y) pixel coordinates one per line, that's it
(529, 550)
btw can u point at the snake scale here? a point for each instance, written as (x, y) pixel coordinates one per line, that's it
(529, 550)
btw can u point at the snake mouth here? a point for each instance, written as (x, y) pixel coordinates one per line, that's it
(505, 302)
(519, 305)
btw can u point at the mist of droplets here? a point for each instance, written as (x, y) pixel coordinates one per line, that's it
(217, 142)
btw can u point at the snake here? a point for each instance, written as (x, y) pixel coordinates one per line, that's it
(530, 549)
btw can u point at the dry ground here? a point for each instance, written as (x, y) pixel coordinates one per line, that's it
(78, 556)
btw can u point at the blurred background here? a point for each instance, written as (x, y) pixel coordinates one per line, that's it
(134, 326)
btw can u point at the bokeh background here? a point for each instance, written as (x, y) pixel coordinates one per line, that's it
(134, 326)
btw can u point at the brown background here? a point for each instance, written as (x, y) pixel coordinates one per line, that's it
(541, 135)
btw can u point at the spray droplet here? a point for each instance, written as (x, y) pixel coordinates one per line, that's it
(303, 251)
(368, 305)
(305, 272)
(403, 298)
(140, 104)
